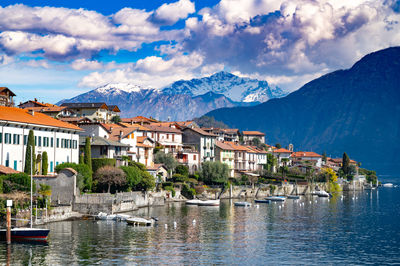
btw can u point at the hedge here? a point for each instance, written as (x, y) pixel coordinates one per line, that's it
(100, 162)
(84, 178)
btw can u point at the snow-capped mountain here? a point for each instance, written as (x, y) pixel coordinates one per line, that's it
(235, 88)
(184, 99)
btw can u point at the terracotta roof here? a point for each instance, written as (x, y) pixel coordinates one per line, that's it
(138, 119)
(162, 129)
(99, 141)
(237, 147)
(7, 170)
(156, 166)
(7, 89)
(23, 116)
(108, 127)
(114, 108)
(74, 119)
(139, 127)
(300, 154)
(143, 145)
(200, 131)
(281, 150)
(116, 132)
(253, 133)
(86, 105)
(256, 149)
(47, 109)
(224, 146)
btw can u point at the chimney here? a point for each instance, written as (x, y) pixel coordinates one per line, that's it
(120, 135)
(31, 112)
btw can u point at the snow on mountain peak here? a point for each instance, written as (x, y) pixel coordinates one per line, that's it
(117, 88)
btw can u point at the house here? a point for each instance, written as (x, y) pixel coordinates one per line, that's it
(145, 150)
(225, 153)
(78, 121)
(159, 172)
(260, 157)
(202, 141)
(126, 135)
(105, 148)
(6, 97)
(301, 156)
(34, 103)
(140, 120)
(241, 158)
(169, 138)
(189, 156)
(283, 156)
(59, 139)
(97, 112)
(113, 110)
(224, 134)
(248, 136)
(176, 124)
(53, 111)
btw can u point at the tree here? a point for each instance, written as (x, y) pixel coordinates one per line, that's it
(324, 157)
(182, 170)
(88, 154)
(206, 121)
(214, 172)
(30, 147)
(45, 163)
(45, 191)
(329, 175)
(166, 159)
(133, 176)
(116, 119)
(346, 164)
(256, 142)
(271, 162)
(110, 176)
(81, 157)
(278, 146)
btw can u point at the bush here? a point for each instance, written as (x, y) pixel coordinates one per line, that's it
(110, 176)
(214, 172)
(179, 178)
(188, 192)
(84, 177)
(138, 179)
(16, 182)
(141, 166)
(166, 159)
(171, 189)
(167, 184)
(98, 163)
(182, 170)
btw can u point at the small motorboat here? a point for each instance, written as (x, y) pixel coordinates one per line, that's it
(193, 202)
(387, 185)
(26, 234)
(105, 216)
(262, 201)
(122, 217)
(209, 202)
(275, 198)
(242, 204)
(295, 197)
(138, 221)
(322, 193)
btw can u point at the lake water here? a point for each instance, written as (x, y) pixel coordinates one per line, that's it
(363, 230)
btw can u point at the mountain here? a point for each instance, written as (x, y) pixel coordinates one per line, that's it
(184, 99)
(355, 111)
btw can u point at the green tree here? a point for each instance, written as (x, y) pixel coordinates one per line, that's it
(116, 119)
(166, 159)
(133, 176)
(346, 164)
(88, 154)
(324, 157)
(81, 157)
(214, 172)
(30, 147)
(278, 146)
(110, 176)
(182, 170)
(45, 163)
(272, 161)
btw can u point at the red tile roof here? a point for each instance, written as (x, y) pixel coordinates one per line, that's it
(7, 170)
(299, 154)
(23, 116)
(224, 146)
(253, 133)
(281, 150)
(200, 131)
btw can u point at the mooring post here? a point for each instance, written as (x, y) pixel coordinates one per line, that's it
(9, 204)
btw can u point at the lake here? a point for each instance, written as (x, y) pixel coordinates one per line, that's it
(360, 228)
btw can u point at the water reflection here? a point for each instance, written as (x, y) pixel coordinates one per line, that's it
(353, 227)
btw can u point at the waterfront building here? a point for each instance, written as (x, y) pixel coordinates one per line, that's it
(59, 139)
(168, 138)
(105, 148)
(203, 142)
(225, 153)
(283, 156)
(140, 120)
(248, 136)
(224, 134)
(145, 150)
(189, 156)
(159, 172)
(301, 156)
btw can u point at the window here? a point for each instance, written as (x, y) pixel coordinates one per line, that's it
(51, 142)
(58, 143)
(62, 143)
(56, 163)
(51, 166)
(15, 165)
(7, 138)
(35, 141)
(25, 139)
(8, 159)
(40, 141)
(1, 137)
(194, 157)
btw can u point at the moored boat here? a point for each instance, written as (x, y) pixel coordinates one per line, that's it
(209, 202)
(387, 185)
(275, 198)
(138, 221)
(293, 197)
(26, 234)
(322, 193)
(243, 204)
(105, 216)
(262, 201)
(193, 202)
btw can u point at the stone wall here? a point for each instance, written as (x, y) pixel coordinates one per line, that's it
(53, 214)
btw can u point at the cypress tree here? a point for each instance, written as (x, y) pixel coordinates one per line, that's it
(346, 164)
(45, 163)
(81, 159)
(88, 155)
(30, 146)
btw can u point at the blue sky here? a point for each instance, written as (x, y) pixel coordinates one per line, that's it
(56, 49)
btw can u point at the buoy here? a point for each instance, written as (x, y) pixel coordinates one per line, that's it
(310, 201)
(174, 224)
(194, 221)
(257, 206)
(166, 226)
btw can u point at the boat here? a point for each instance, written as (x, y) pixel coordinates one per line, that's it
(275, 198)
(193, 202)
(209, 202)
(26, 234)
(243, 204)
(322, 193)
(387, 185)
(138, 221)
(293, 197)
(262, 201)
(122, 217)
(105, 216)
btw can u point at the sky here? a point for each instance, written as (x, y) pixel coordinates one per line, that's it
(53, 50)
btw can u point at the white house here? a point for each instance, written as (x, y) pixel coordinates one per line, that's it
(203, 141)
(307, 156)
(59, 139)
(105, 148)
(283, 156)
(145, 149)
(248, 136)
(169, 138)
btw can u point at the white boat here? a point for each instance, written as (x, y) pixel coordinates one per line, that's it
(138, 221)
(322, 193)
(387, 185)
(275, 198)
(293, 197)
(122, 217)
(209, 202)
(243, 204)
(105, 216)
(193, 202)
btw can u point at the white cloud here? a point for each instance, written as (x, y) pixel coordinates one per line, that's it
(171, 13)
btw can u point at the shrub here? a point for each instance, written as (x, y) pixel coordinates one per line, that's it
(188, 192)
(98, 163)
(166, 184)
(45, 163)
(84, 176)
(133, 176)
(166, 159)
(199, 189)
(16, 182)
(214, 172)
(141, 166)
(182, 170)
(179, 178)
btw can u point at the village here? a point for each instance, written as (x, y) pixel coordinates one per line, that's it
(87, 158)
